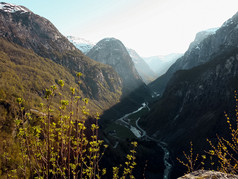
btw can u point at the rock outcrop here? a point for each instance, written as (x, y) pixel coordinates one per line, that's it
(208, 175)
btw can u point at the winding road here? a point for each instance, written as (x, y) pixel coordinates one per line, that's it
(168, 165)
(140, 133)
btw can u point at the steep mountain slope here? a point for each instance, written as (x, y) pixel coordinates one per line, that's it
(193, 103)
(31, 31)
(206, 44)
(192, 107)
(160, 64)
(19, 25)
(25, 74)
(201, 88)
(141, 66)
(81, 44)
(200, 36)
(112, 52)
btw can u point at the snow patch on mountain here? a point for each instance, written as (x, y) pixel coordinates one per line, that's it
(11, 8)
(81, 44)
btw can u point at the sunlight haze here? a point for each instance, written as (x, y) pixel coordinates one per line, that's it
(151, 27)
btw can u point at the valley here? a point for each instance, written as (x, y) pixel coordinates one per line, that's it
(71, 108)
(127, 127)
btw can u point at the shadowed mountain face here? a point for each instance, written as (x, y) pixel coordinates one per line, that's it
(206, 45)
(193, 103)
(100, 82)
(142, 67)
(112, 52)
(201, 93)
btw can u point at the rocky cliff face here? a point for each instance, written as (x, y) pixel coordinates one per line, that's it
(200, 36)
(21, 26)
(31, 31)
(141, 66)
(206, 45)
(208, 88)
(112, 52)
(193, 103)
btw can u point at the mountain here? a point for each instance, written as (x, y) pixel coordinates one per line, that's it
(112, 52)
(200, 36)
(141, 66)
(23, 27)
(197, 53)
(160, 64)
(81, 44)
(34, 55)
(26, 30)
(26, 74)
(193, 103)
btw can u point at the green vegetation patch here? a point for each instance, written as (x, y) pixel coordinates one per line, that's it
(119, 131)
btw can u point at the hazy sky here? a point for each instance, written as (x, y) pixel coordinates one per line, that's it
(151, 27)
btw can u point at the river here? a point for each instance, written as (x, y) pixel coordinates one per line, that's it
(140, 133)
